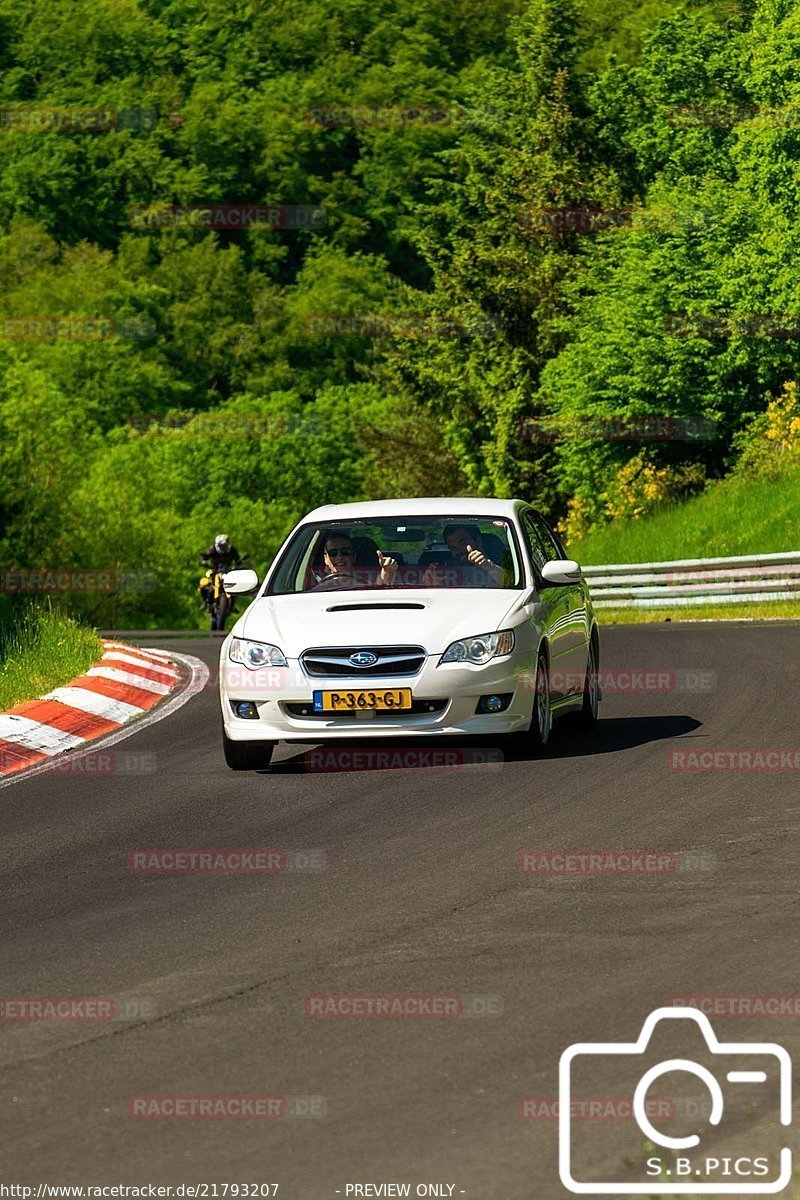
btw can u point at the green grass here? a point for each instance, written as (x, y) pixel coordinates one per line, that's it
(785, 609)
(734, 516)
(41, 650)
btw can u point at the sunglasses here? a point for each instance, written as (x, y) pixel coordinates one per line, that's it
(339, 551)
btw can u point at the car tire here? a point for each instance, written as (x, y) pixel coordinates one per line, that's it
(591, 690)
(541, 726)
(223, 609)
(247, 756)
(537, 736)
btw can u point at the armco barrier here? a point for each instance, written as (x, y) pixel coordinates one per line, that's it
(680, 582)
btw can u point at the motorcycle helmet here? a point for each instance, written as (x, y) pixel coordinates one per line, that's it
(222, 543)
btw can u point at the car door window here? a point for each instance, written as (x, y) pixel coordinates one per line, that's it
(540, 552)
(549, 544)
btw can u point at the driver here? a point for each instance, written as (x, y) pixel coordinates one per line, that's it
(339, 559)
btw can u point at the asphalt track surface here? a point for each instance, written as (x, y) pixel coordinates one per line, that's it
(420, 894)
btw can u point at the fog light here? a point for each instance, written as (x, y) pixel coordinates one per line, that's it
(494, 704)
(245, 710)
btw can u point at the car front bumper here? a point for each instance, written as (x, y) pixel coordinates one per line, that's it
(455, 688)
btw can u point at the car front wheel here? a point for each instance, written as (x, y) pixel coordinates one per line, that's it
(542, 715)
(247, 756)
(536, 737)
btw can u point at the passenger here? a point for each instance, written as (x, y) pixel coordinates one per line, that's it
(465, 544)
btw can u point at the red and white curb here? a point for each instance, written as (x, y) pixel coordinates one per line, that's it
(124, 686)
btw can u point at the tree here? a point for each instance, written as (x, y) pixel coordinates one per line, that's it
(500, 271)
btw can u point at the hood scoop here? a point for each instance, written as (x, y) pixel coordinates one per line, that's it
(360, 607)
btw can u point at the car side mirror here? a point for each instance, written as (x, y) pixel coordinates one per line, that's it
(239, 583)
(561, 571)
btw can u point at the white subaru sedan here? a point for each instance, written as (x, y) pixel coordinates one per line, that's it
(402, 618)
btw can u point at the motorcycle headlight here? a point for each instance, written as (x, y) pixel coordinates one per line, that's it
(481, 648)
(256, 654)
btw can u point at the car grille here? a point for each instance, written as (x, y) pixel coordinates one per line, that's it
(334, 662)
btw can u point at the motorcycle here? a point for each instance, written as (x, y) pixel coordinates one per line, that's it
(215, 600)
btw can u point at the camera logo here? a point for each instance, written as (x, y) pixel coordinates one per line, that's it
(674, 1169)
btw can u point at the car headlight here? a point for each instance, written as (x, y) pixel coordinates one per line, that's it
(481, 648)
(256, 654)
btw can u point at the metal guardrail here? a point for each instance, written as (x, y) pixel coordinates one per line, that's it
(683, 581)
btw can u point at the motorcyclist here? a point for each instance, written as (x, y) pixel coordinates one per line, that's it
(221, 556)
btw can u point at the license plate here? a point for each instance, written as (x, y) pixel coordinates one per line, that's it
(363, 700)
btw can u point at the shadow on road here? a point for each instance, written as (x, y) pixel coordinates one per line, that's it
(421, 754)
(616, 733)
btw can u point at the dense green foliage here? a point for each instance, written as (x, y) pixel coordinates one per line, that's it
(542, 105)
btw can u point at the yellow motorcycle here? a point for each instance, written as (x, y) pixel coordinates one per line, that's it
(218, 605)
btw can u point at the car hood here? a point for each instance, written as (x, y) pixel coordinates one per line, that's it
(428, 618)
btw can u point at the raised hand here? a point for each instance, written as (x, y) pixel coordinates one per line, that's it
(388, 569)
(477, 557)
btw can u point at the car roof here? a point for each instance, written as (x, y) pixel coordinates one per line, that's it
(434, 506)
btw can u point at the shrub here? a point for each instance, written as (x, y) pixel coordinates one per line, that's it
(635, 490)
(771, 442)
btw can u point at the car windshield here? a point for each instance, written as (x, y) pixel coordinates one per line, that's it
(400, 553)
